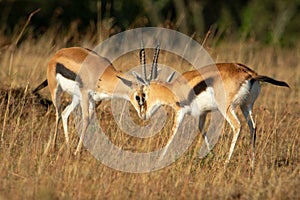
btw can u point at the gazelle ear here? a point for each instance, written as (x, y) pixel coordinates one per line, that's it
(171, 76)
(139, 78)
(126, 82)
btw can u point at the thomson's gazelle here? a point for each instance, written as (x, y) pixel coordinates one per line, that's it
(221, 87)
(87, 77)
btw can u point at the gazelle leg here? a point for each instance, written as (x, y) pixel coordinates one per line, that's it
(57, 105)
(65, 115)
(85, 119)
(247, 112)
(177, 121)
(202, 119)
(246, 108)
(234, 122)
(91, 108)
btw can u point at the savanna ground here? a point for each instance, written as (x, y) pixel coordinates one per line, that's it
(31, 169)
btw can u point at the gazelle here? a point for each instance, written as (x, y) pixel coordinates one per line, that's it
(87, 77)
(221, 87)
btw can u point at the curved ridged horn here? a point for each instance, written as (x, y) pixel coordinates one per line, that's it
(154, 72)
(143, 60)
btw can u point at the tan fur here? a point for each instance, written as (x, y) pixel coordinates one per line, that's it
(229, 75)
(226, 79)
(86, 64)
(97, 74)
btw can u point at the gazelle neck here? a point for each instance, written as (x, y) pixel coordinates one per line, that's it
(163, 94)
(109, 85)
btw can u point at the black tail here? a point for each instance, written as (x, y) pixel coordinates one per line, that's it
(41, 86)
(271, 80)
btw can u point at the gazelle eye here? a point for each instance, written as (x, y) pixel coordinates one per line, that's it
(143, 95)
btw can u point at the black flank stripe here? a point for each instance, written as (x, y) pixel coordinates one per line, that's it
(197, 89)
(65, 72)
(201, 86)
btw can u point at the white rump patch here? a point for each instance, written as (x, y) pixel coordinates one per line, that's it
(247, 93)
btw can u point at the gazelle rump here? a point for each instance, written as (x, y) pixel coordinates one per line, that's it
(221, 87)
(87, 77)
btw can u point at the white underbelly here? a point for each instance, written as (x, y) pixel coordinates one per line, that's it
(69, 86)
(204, 102)
(97, 96)
(101, 95)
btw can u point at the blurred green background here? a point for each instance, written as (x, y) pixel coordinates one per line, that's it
(273, 22)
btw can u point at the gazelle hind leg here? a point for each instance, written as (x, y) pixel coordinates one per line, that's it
(57, 105)
(235, 124)
(91, 108)
(247, 112)
(202, 119)
(246, 108)
(85, 104)
(65, 116)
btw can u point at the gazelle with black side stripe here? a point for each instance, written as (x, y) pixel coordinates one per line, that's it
(87, 77)
(221, 87)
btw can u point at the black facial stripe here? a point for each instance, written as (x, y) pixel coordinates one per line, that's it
(141, 99)
(137, 98)
(65, 72)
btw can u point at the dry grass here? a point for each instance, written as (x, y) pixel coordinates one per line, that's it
(30, 169)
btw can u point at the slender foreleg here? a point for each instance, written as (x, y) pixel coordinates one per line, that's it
(177, 121)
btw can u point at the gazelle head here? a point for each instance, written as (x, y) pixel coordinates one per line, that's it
(139, 100)
(143, 97)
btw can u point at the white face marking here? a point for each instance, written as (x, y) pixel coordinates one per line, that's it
(139, 101)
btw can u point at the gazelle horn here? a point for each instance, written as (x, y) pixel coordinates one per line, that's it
(154, 72)
(143, 60)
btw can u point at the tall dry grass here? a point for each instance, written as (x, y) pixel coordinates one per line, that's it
(30, 169)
